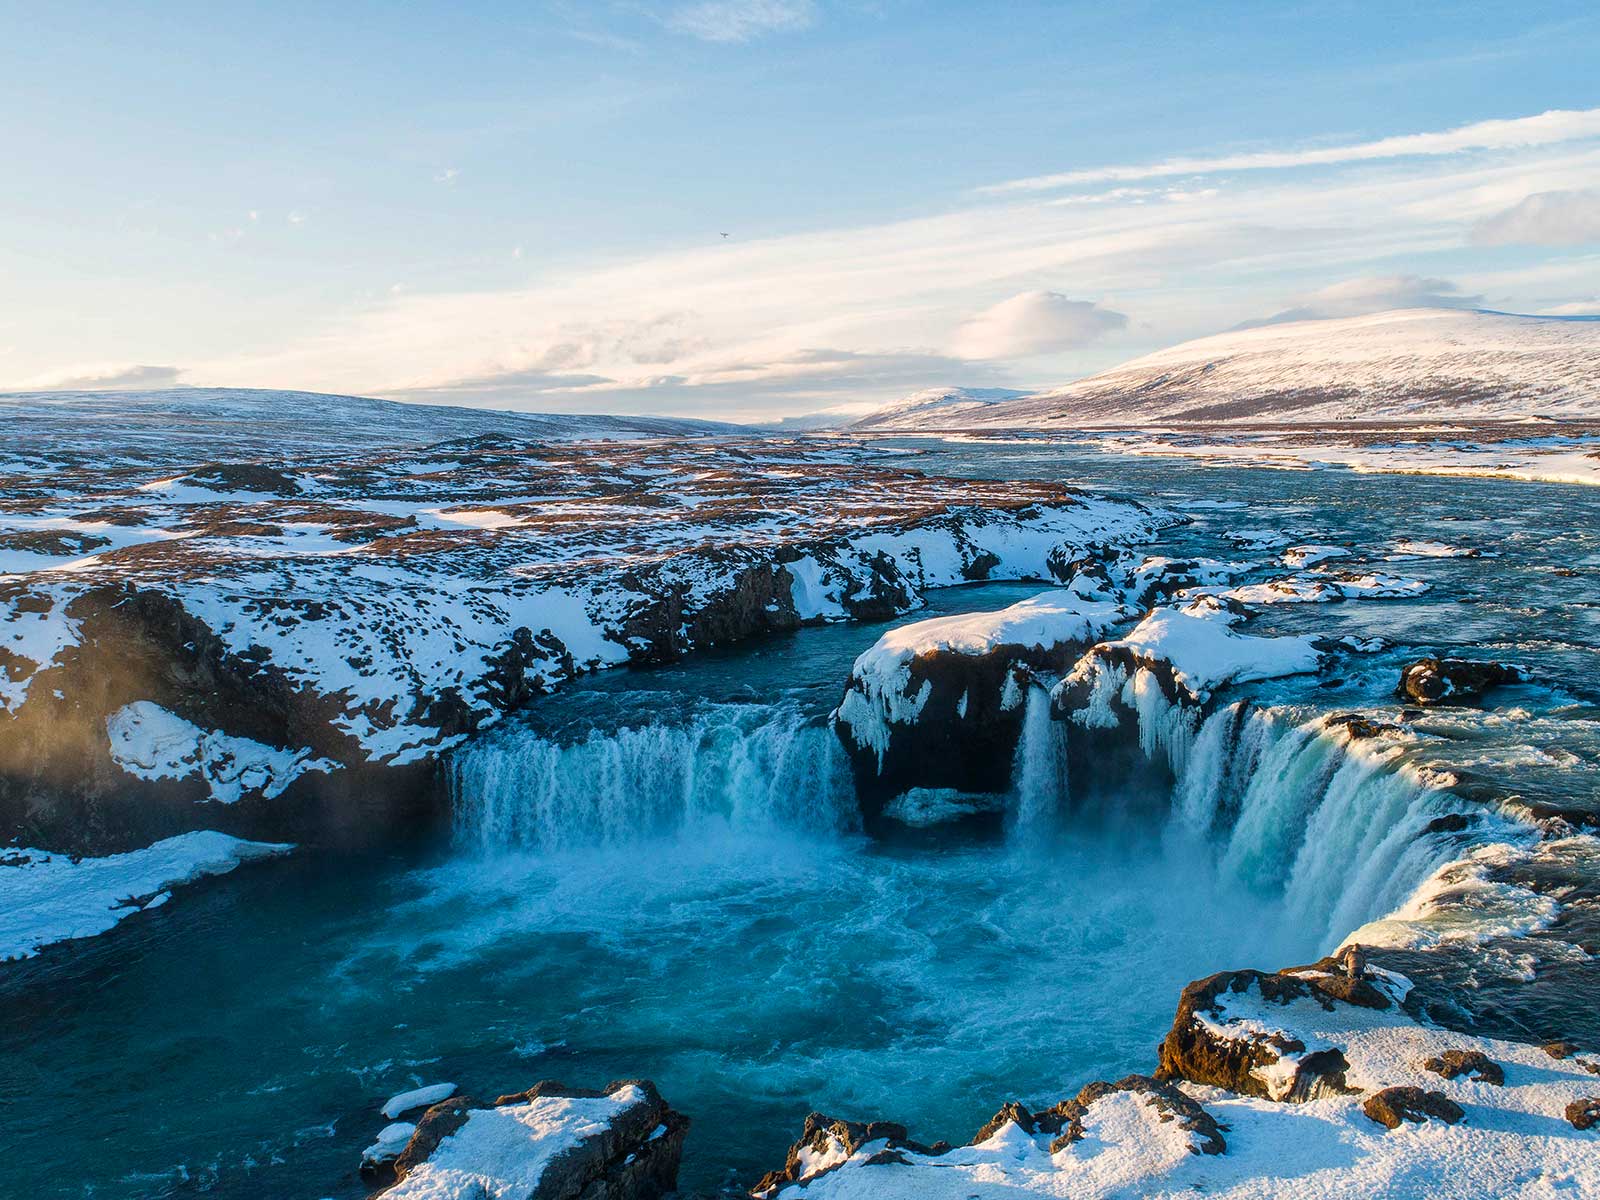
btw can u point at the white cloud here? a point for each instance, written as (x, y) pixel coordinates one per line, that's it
(741, 20)
(1032, 323)
(735, 326)
(1371, 294)
(100, 378)
(1549, 128)
(1546, 218)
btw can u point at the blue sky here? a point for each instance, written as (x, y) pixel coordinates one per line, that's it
(522, 205)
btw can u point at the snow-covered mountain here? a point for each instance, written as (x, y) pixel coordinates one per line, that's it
(950, 407)
(233, 422)
(1403, 365)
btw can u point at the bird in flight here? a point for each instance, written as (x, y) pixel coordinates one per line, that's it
(724, 235)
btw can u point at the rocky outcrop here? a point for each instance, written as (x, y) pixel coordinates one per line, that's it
(1584, 1114)
(1225, 1033)
(1430, 681)
(827, 1143)
(550, 1142)
(1064, 1122)
(938, 705)
(1395, 1105)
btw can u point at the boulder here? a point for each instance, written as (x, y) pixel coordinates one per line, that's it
(1453, 1064)
(1430, 681)
(1584, 1114)
(1394, 1105)
(550, 1142)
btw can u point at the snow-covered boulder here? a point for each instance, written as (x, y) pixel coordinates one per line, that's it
(1230, 1031)
(550, 1142)
(938, 704)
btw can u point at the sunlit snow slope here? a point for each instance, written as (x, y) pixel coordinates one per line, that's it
(1404, 365)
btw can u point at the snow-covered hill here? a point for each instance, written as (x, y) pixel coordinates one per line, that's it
(233, 422)
(1404, 365)
(950, 407)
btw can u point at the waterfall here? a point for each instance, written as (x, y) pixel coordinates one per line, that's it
(730, 765)
(1335, 825)
(1039, 772)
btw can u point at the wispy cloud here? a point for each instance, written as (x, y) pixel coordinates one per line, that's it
(741, 20)
(1549, 128)
(1547, 218)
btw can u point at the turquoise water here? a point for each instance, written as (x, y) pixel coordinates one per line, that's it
(656, 874)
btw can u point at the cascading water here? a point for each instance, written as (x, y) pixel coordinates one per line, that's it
(1337, 826)
(732, 765)
(1039, 771)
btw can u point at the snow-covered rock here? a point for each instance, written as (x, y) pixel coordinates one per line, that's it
(1191, 650)
(398, 1105)
(47, 898)
(548, 1143)
(1453, 680)
(937, 704)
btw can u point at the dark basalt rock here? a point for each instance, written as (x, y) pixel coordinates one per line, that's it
(61, 789)
(625, 1161)
(965, 735)
(1361, 728)
(1191, 1051)
(1066, 1118)
(1453, 1064)
(1392, 1106)
(1584, 1114)
(1430, 681)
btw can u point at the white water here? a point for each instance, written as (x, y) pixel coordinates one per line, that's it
(1294, 807)
(1290, 809)
(1039, 771)
(729, 766)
